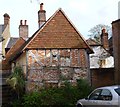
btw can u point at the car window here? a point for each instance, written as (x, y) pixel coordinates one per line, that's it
(105, 95)
(95, 94)
(117, 90)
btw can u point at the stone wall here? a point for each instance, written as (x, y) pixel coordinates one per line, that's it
(54, 66)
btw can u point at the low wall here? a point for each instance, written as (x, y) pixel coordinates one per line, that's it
(102, 77)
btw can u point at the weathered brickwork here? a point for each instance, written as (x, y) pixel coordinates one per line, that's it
(58, 33)
(102, 77)
(116, 49)
(54, 66)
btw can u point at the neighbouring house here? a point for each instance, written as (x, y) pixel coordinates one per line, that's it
(54, 53)
(101, 61)
(101, 58)
(4, 34)
(4, 37)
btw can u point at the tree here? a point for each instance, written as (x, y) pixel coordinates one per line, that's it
(17, 81)
(95, 32)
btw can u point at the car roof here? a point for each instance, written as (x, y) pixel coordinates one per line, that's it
(110, 87)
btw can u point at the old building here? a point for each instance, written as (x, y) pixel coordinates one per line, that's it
(101, 58)
(4, 34)
(54, 53)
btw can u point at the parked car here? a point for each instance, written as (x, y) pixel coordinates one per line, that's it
(108, 96)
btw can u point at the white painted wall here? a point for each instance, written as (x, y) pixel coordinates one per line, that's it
(100, 54)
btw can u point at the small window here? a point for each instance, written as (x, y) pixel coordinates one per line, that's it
(95, 95)
(105, 95)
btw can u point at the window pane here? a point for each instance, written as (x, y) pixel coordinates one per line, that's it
(106, 95)
(95, 95)
(117, 90)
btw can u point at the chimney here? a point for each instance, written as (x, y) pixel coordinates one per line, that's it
(23, 29)
(41, 16)
(104, 39)
(6, 20)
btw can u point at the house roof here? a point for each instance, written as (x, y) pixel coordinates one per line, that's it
(11, 42)
(58, 32)
(92, 42)
(14, 48)
(11, 53)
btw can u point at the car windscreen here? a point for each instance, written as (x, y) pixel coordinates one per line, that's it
(117, 90)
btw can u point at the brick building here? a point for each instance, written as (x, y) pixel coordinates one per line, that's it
(55, 52)
(116, 49)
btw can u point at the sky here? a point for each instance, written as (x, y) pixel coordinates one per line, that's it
(84, 14)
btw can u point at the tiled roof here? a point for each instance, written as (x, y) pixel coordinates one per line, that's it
(58, 32)
(11, 42)
(15, 48)
(92, 42)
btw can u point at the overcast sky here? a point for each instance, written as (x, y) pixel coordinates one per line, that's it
(84, 14)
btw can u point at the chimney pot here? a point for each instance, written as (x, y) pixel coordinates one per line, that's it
(23, 29)
(6, 15)
(41, 16)
(104, 39)
(20, 22)
(103, 30)
(6, 20)
(41, 6)
(25, 22)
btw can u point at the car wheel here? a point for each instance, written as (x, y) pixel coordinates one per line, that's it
(79, 105)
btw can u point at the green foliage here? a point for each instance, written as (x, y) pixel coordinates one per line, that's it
(17, 80)
(84, 88)
(63, 96)
(32, 100)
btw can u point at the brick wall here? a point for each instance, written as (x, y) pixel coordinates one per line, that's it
(54, 66)
(116, 48)
(102, 76)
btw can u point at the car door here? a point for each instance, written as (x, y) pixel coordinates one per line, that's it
(100, 97)
(105, 98)
(92, 98)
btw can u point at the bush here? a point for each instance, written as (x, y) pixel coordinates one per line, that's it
(84, 88)
(31, 100)
(63, 96)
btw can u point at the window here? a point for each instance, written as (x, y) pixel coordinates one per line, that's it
(101, 94)
(105, 95)
(95, 95)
